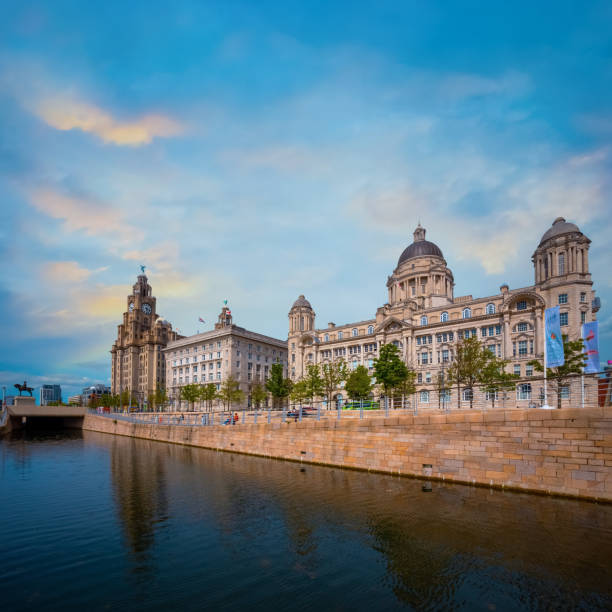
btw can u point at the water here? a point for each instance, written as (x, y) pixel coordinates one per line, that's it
(95, 522)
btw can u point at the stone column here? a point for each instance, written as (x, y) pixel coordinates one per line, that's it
(507, 337)
(538, 332)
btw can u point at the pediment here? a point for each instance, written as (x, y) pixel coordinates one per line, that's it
(391, 324)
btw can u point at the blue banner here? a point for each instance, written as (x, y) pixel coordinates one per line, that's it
(554, 340)
(590, 335)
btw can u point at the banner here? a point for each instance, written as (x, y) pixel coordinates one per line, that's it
(554, 340)
(590, 335)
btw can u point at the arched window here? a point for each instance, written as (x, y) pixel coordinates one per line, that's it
(326, 337)
(423, 320)
(444, 317)
(340, 335)
(424, 397)
(301, 323)
(490, 308)
(467, 313)
(370, 329)
(467, 395)
(355, 332)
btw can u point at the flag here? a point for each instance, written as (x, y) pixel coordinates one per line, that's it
(590, 335)
(228, 312)
(554, 340)
(201, 320)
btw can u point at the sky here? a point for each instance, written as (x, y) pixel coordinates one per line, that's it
(255, 151)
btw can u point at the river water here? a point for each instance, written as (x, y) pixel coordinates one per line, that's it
(98, 522)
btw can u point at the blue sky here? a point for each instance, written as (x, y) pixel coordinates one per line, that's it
(256, 151)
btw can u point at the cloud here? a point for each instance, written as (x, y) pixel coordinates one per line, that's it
(65, 272)
(81, 213)
(66, 114)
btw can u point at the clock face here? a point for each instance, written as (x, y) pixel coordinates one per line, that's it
(131, 306)
(146, 308)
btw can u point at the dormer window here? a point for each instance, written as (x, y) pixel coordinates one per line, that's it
(444, 317)
(490, 308)
(370, 329)
(423, 320)
(355, 332)
(467, 313)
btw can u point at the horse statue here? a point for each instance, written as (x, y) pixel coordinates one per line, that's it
(24, 388)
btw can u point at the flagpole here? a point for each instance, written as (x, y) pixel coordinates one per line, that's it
(546, 406)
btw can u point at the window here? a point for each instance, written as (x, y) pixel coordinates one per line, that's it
(326, 338)
(563, 298)
(370, 364)
(445, 356)
(467, 313)
(424, 397)
(517, 369)
(522, 347)
(445, 395)
(583, 297)
(423, 320)
(468, 395)
(444, 317)
(424, 358)
(561, 263)
(522, 305)
(564, 392)
(483, 330)
(490, 308)
(583, 317)
(523, 392)
(370, 329)
(339, 335)
(428, 377)
(529, 370)
(419, 377)
(490, 395)
(563, 318)
(355, 332)
(521, 327)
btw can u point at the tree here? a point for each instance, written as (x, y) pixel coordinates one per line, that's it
(258, 395)
(124, 398)
(407, 386)
(332, 374)
(208, 394)
(494, 377)
(157, 398)
(190, 393)
(278, 386)
(106, 400)
(559, 377)
(299, 392)
(389, 369)
(442, 387)
(358, 383)
(470, 359)
(230, 392)
(313, 383)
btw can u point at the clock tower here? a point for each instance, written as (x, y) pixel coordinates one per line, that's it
(137, 360)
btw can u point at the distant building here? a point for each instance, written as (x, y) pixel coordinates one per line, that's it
(74, 400)
(94, 391)
(213, 356)
(50, 393)
(137, 359)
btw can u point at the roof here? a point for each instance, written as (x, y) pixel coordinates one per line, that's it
(559, 227)
(420, 247)
(301, 301)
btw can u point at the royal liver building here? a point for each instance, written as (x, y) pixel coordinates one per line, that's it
(425, 319)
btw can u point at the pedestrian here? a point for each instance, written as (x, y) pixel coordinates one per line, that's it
(235, 418)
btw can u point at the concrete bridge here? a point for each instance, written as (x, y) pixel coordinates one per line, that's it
(25, 412)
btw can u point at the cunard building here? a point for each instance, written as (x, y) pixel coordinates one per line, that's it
(137, 359)
(425, 319)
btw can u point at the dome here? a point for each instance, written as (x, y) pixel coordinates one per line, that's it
(301, 302)
(420, 247)
(559, 227)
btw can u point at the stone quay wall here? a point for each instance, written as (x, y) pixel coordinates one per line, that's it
(563, 452)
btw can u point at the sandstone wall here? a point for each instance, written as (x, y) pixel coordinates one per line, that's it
(565, 452)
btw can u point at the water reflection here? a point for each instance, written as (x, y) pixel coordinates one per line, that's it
(366, 536)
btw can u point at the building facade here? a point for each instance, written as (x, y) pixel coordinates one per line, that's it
(50, 393)
(137, 363)
(425, 319)
(213, 356)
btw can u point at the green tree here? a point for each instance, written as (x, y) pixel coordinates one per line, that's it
(157, 398)
(278, 386)
(313, 383)
(124, 398)
(494, 377)
(258, 395)
(106, 400)
(208, 394)
(465, 370)
(230, 392)
(407, 386)
(560, 376)
(332, 374)
(299, 392)
(359, 384)
(389, 369)
(191, 394)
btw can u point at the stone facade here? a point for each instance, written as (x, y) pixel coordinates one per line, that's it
(425, 320)
(213, 356)
(137, 362)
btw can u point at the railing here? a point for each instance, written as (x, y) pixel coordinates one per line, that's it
(3, 416)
